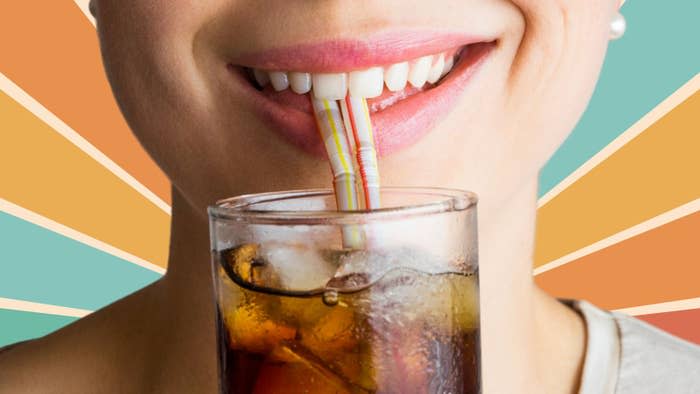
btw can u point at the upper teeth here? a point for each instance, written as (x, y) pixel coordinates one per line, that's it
(367, 83)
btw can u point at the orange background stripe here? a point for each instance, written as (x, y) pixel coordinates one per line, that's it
(657, 266)
(51, 51)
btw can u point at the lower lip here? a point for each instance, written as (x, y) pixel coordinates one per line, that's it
(395, 128)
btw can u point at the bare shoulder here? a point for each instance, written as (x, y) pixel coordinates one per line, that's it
(140, 344)
(11, 371)
(24, 370)
(103, 352)
(67, 361)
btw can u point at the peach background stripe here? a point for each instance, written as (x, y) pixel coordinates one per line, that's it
(642, 124)
(658, 266)
(41, 221)
(51, 51)
(663, 307)
(45, 173)
(47, 117)
(85, 7)
(631, 186)
(27, 306)
(650, 224)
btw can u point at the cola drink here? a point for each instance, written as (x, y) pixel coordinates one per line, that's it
(300, 319)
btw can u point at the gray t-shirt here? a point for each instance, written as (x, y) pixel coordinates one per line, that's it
(627, 356)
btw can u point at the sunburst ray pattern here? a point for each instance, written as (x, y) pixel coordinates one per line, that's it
(84, 213)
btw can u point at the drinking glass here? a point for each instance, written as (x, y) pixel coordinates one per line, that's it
(313, 300)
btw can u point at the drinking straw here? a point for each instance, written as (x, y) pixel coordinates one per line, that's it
(356, 114)
(335, 139)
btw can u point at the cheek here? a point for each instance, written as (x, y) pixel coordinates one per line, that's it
(147, 49)
(556, 68)
(166, 77)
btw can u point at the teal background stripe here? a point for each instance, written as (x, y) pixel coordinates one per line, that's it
(17, 326)
(42, 266)
(658, 54)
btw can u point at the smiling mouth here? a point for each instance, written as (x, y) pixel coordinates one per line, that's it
(406, 96)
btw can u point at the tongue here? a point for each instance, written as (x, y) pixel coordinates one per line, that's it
(301, 102)
(389, 98)
(287, 98)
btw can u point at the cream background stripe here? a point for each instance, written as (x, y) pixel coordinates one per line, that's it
(85, 7)
(27, 306)
(657, 221)
(671, 306)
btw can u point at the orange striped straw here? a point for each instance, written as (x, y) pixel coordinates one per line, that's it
(330, 125)
(356, 114)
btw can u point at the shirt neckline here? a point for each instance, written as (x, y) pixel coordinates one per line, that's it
(602, 359)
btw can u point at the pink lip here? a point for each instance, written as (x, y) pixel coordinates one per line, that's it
(395, 127)
(348, 55)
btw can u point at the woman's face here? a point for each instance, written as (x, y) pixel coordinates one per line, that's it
(523, 74)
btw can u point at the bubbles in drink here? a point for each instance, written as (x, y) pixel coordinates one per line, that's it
(330, 297)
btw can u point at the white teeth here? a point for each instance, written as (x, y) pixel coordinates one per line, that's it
(367, 83)
(261, 77)
(449, 63)
(300, 82)
(330, 86)
(279, 80)
(436, 70)
(419, 71)
(396, 76)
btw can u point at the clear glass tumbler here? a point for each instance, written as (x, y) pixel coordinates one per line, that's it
(312, 300)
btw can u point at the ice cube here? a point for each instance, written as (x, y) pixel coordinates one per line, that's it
(332, 332)
(253, 330)
(359, 269)
(244, 266)
(299, 267)
(238, 261)
(304, 372)
(448, 303)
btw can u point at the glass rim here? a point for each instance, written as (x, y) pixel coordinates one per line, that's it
(235, 208)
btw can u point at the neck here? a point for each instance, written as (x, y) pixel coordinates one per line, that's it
(530, 342)
(190, 359)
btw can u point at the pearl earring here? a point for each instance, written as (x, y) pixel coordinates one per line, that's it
(618, 26)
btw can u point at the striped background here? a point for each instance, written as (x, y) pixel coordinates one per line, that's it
(84, 213)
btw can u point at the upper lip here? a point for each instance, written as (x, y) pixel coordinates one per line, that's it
(344, 55)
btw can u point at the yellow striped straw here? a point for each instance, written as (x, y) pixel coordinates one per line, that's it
(335, 139)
